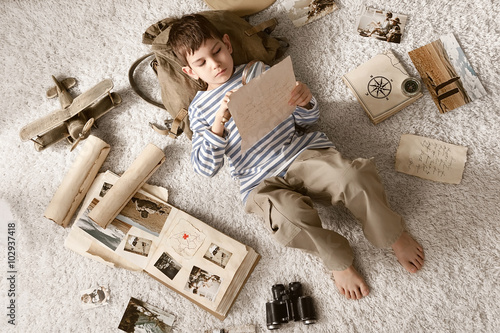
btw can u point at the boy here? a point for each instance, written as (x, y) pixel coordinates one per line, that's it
(280, 173)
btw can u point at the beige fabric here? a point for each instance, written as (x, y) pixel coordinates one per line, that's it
(287, 208)
(240, 7)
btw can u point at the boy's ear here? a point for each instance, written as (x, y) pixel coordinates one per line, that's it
(189, 71)
(227, 42)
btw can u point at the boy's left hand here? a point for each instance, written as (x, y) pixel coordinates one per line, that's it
(301, 95)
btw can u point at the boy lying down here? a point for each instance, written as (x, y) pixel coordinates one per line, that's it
(281, 174)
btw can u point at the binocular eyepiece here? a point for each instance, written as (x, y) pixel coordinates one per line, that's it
(289, 304)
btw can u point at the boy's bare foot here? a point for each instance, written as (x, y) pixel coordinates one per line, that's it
(409, 253)
(350, 283)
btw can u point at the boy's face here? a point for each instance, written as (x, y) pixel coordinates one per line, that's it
(212, 62)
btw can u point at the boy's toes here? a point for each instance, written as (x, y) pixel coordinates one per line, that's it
(365, 290)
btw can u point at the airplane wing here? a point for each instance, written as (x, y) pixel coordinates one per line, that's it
(55, 118)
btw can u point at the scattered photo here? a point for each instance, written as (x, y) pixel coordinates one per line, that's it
(143, 317)
(94, 297)
(217, 255)
(382, 25)
(447, 73)
(138, 245)
(203, 283)
(302, 12)
(168, 266)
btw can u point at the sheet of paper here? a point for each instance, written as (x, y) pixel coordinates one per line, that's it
(431, 159)
(262, 104)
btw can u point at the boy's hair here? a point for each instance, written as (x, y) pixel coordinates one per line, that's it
(188, 34)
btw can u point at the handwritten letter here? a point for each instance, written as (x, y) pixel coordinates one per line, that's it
(431, 159)
(262, 104)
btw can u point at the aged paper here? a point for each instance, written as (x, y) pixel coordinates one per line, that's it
(129, 183)
(77, 181)
(262, 104)
(431, 159)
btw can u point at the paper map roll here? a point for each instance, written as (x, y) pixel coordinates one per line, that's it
(77, 181)
(129, 183)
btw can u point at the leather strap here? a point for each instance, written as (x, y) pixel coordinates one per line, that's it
(267, 26)
(173, 128)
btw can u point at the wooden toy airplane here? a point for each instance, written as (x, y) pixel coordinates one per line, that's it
(74, 121)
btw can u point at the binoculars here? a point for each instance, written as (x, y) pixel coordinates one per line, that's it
(289, 304)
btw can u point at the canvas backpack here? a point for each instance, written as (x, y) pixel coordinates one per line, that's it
(177, 88)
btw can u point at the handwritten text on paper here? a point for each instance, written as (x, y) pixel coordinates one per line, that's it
(431, 159)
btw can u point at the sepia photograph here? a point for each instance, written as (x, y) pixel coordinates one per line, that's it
(138, 245)
(302, 12)
(168, 266)
(203, 284)
(217, 255)
(147, 212)
(382, 25)
(143, 317)
(447, 73)
(94, 297)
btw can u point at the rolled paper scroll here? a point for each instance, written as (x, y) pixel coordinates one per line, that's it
(129, 183)
(77, 181)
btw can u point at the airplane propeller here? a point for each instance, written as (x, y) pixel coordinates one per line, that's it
(84, 133)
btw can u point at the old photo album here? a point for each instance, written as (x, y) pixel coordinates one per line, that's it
(185, 254)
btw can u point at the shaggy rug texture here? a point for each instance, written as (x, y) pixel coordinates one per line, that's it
(458, 225)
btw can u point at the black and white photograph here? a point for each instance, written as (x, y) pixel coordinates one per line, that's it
(111, 236)
(105, 188)
(140, 316)
(217, 255)
(382, 25)
(168, 266)
(203, 283)
(138, 245)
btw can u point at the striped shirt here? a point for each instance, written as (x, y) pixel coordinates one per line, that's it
(270, 156)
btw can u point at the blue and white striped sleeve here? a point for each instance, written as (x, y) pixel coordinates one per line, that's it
(207, 154)
(304, 117)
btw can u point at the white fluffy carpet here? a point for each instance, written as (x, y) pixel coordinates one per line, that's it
(458, 225)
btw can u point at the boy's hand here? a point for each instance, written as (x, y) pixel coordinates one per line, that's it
(222, 116)
(301, 95)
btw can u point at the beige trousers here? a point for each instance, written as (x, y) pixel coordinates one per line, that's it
(286, 206)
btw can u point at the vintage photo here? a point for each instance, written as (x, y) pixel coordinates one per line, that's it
(217, 255)
(382, 25)
(94, 297)
(168, 266)
(111, 236)
(105, 188)
(143, 317)
(447, 73)
(203, 284)
(302, 12)
(145, 211)
(138, 245)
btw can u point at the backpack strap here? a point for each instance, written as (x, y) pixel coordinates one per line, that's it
(173, 126)
(266, 26)
(134, 85)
